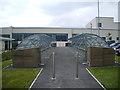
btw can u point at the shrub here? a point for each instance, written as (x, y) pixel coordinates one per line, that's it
(6, 55)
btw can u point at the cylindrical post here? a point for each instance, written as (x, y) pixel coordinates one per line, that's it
(8, 45)
(77, 68)
(91, 27)
(53, 76)
(98, 19)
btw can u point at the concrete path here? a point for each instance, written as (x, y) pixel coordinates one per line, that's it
(65, 71)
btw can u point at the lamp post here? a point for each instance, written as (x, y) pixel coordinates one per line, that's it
(98, 19)
(91, 27)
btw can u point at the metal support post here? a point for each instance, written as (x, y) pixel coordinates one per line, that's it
(8, 45)
(77, 68)
(53, 72)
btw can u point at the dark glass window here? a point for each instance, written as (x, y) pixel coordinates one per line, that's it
(104, 38)
(55, 36)
(74, 35)
(61, 37)
(6, 35)
(7, 45)
(99, 24)
(117, 38)
(20, 36)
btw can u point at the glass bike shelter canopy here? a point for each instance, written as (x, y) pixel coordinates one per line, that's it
(43, 41)
(84, 40)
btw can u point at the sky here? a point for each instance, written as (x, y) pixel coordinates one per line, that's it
(54, 13)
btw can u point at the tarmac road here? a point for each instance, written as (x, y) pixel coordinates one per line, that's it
(65, 71)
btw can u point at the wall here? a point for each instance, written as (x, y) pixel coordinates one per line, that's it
(2, 45)
(26, 58)
(61, 44)
(108, 26)
(105, 56)
(107, 23)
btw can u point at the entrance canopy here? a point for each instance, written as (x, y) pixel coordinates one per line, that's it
(6, 39)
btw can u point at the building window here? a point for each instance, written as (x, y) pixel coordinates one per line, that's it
(99, 24)
(56, 36)
(104, 38)
(117, 38)
(6, 35)
(61, 37)
(74, 35)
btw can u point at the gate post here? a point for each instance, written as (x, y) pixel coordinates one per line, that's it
(53, 71)
(77, 68)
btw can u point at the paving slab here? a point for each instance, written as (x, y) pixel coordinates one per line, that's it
(65, 71)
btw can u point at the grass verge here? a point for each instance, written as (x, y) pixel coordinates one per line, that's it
(117, 59)
(108, 76)
(6, 63)
(18, 78)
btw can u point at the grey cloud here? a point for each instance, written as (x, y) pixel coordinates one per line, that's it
(81, 18)
(16, 7)
(74, 19)
(64, 14)
(64, 7)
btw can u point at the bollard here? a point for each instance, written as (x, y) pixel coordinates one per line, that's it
(53, 72)
(77, 68)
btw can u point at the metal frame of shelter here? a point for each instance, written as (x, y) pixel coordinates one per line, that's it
(82, 41)
(86, 39)
(43, 41)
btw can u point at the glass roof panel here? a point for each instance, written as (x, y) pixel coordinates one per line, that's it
(87, 39)
(43, 41)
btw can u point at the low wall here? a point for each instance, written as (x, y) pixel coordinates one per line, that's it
(100, 56)
(26, 58)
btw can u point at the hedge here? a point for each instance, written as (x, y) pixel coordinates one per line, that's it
(6, 55)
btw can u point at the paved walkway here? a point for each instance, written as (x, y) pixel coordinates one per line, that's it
(65, 71)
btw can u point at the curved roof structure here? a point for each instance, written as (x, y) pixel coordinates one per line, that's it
(86, 39)
(43, 41)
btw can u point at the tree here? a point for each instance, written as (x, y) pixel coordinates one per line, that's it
(109, 36)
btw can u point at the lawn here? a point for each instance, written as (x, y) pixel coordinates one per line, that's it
(108, 76)
(18, 78)
(117, 59)
(6, 63)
